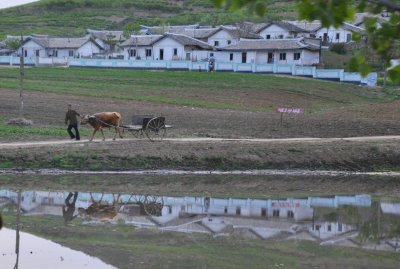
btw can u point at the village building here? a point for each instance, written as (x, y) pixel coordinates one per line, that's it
(283, 51)
(108, 40)
(279, 30)
(60, 47)
(172, 47)
(139, 47)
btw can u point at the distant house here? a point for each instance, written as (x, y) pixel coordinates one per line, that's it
(279, 30)
(60, 47)
(180, 47)
(226, 35)
(284, 51)
(4, 50)
(139, 47)
(342, 34)
(108, 40)
(160, 30)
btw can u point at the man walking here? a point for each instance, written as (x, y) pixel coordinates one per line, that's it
(69, 208)
(73, 123)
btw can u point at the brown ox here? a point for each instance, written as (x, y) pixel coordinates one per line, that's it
(103, 120)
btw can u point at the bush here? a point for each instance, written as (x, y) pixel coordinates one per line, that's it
(339, 48)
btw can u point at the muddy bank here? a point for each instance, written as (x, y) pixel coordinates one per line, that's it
(212, 185)
(206, 155)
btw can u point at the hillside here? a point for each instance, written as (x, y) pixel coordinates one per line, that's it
(72, 17)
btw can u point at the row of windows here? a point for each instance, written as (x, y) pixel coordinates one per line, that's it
(216, 43)
(282, 57)
(132, 53)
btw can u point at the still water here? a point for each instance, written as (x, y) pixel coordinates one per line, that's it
(83, 229)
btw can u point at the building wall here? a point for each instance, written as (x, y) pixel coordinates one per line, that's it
(331, 34)
(30, 47)
(168, 45)
(87, 50)
(222, 37)
(275, 32)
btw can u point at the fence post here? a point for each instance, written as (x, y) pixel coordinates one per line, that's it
(314, 72)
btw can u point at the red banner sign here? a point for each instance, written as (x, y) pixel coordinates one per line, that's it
(289, 110)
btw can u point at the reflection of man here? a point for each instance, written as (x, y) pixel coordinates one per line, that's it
(69, 208)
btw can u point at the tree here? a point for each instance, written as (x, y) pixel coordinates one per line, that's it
(13, 43)
(384, 36)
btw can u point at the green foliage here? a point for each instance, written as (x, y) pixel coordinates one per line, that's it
(13, 43)
(339, 48)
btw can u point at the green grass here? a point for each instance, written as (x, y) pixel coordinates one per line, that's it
(252, 92)
(45, 132)
(72, 17)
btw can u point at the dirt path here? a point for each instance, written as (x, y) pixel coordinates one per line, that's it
(203, 139)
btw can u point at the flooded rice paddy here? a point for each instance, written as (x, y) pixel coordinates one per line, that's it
(49, 227)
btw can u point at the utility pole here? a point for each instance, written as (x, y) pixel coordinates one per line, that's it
(21, 80)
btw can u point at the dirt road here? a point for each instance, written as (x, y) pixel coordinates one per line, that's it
(202, 139)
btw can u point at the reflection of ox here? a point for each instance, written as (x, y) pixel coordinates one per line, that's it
(99, 210)
(103, 120)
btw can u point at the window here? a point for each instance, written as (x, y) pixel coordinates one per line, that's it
(290, 214)
(37, 53)
(244, 57)
(161, 54)
(175, 52)
(216, 43)
(238, 211)
(340, 228)
(263, 212)
(275, 213)
(226, 210)
(231, 57)
(268, 37)
(148, 52)
(71, 53)
(170, 209)
(282, 56)
(25, 53)
(132, 53)
(229, 42)
(337, 36)
(55, 53)
(329, 228)
(280, 36)
(211, 54)
(296, 56)
(187, 56)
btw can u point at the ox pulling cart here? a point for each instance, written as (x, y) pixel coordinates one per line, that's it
(152, 126)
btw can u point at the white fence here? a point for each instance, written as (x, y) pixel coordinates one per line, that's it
(291, 69)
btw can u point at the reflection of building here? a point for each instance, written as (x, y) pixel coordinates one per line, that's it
(291, 218)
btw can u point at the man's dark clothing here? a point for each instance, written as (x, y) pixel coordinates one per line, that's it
(73, 123)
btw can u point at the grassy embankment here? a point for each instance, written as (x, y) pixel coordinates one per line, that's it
(125, 247)
(72, 17)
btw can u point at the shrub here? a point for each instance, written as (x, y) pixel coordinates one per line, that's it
(339, 48)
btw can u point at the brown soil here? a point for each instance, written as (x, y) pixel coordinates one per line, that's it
(361, 120)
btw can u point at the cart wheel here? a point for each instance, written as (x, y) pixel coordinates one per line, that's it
(155, 129)
(153, 205)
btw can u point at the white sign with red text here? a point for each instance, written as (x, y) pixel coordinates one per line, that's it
(289, 110)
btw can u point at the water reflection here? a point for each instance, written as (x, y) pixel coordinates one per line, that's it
(351, 220)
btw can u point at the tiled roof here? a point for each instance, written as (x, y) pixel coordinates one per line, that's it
(61, 43)
(187, 41)
(105, 34)
(285, 25)
(141, 40)
(270, 44)
(306, 25)
(353, 28)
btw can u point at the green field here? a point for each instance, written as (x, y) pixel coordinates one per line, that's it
(72, 17)
(249, 92)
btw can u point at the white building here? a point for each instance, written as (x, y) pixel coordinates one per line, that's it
(180, 47)
(283, 51)
(60, 47)
(280, 30)
(338, 35)
(139, 47)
